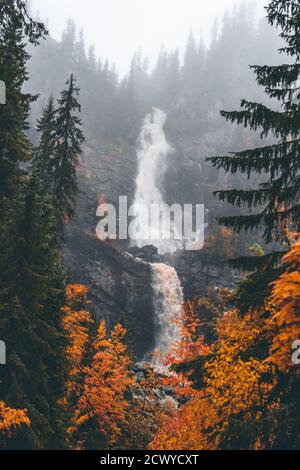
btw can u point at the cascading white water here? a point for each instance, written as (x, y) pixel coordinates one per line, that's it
(168, 300)
(153, 149)
(152, 152)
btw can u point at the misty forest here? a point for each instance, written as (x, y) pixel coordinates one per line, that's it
(115, 342)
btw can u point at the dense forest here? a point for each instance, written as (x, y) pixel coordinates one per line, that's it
(195, 86)
(81, 366)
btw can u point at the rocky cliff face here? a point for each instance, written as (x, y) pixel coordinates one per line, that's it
(197, 270)
(120, 287)
(121, 283)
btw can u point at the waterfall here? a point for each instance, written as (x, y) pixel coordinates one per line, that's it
(168, 299)
(152, 152)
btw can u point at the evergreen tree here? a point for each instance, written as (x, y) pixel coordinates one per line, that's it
(277, 199)
(174, 81)
(159, 74)
(69, 139)
(31, 297)
(92, 58)
(79, 50)
(31, 276)
(67, 49)
(166, 78)
(274, 204)
(191, 66)
(45, 150)
(17, 29)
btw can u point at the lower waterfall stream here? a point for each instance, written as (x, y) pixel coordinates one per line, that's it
(168, 298)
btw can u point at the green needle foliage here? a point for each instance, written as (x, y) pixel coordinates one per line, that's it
(17, 29)
(68, 141)
(274, 204)
(44, 152)
(37, 193)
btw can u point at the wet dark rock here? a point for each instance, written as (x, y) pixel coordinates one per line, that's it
(197, 270)
(147, 253)
(162, 394)
(120, 287)
(141, 367)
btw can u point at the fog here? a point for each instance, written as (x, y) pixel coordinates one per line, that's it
(117, 28)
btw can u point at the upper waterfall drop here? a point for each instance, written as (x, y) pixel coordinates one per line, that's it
(152, 152)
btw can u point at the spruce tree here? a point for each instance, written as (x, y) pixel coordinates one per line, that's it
(191, 66)
(274, 204)
(69, 139)
(44, 152)
(31, 276)
(30, 318)
(17, 29)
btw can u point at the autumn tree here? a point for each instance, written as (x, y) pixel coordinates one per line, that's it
(199, 332)
(286, 298)
(76, 323)
(145, 410)
(245, 392)
(184, 429)
(11, 421)
(101, 408)
(235, 394)
(191, 343)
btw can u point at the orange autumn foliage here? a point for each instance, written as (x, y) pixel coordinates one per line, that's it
(76, 322)
(102, 404)
(184, 430)
(145, 411)
(286, 298)
(233, 380)
(234, 386)
(11, 419)
(221, 241)
(191, 344)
